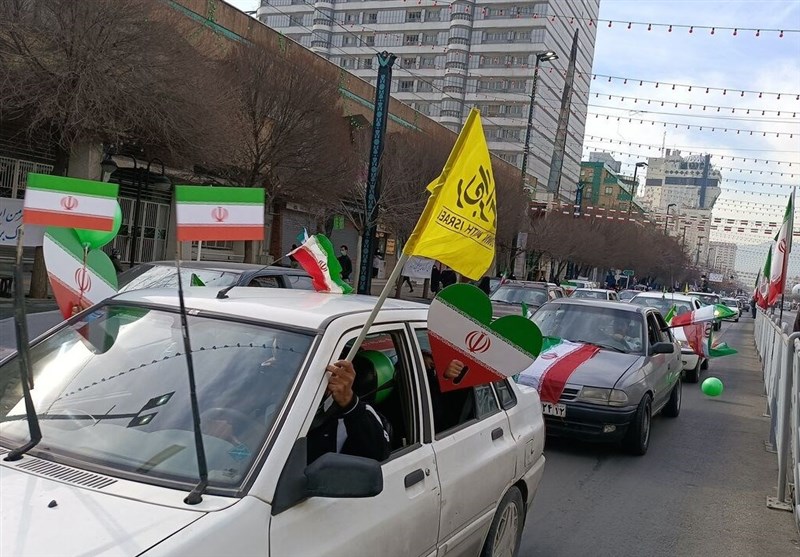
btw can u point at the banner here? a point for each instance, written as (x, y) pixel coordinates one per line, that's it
(10, 221)
(418, 267)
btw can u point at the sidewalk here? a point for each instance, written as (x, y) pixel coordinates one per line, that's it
(32, 305)
(416, 296)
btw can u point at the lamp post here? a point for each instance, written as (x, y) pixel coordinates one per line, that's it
(109, 166)
(635, 185)
(666, 219)
(540, 57)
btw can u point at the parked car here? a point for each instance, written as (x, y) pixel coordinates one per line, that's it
(733, 305)
(594, 294)
(118, 453)
(508, 298)
(627, 295)
(708, 299)
(635, 373)
(161, 274)
(693, 364)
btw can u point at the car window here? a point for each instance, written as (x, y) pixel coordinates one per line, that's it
(666, 332)
(590, 295)
(519, 294)
(505, 394)
(265, 282)
(555, 293)
(112, 392)
(384, 380)
(302, 282)
(616, 329)
(653, 330)
(165, 276)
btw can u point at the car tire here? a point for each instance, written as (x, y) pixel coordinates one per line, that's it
(637, 439)
(505, 533)
(673, 407)
(693, 375)
(703, 366)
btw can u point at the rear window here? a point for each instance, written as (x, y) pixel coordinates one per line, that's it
(163, 276)
(300, 281)
(518, 295)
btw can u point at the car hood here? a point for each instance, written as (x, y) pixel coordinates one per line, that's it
(604, 369)
(40, 516)
(500, 309)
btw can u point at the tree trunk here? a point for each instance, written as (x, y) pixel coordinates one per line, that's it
(250, 251)
(38, 275)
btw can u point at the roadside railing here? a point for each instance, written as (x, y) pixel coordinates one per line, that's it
(779, 352)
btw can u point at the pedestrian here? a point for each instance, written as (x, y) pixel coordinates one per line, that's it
(376, 261)
(115, 260)
(346, 263)
(436, 279)
(753, 306)
(448, 277)
(485, 285)
(407, 281)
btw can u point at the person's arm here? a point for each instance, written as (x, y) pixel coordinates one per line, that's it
(366, 435)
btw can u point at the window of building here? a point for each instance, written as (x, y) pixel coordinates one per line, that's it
(433, 15)
(425, 87)
(427, 62)
(414, 17)
(430, 39)
(609, 190)
(348, 40)
(366, 63)
(371, 17)
(406, 86)
(295, 20)
(537, 35)
(369, 40)
(351, 17)
(409, 62)
(411, 39)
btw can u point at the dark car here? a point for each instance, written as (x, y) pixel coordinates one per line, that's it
(508, 298)
(161, 274)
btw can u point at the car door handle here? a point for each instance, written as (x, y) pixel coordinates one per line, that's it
(414, 478)
(497, 433)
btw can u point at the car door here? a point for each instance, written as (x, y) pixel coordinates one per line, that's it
(404, 518)
(476, 459)
(662, 365)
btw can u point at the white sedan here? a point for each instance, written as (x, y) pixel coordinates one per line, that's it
(594, 294)
(119, 453)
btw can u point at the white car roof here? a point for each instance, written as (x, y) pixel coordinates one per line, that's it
(668, 296)
(593, 290)
(294, 307)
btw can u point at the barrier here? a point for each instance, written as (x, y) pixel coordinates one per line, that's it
(779, 352)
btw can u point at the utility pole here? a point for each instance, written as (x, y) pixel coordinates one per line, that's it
(557, 160)
(381, 114)
(540, 57)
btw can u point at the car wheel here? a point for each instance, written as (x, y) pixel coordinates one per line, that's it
(637, 440)
(506, 530)
(693, 375)
(673, 407)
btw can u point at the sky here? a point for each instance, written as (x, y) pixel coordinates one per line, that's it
(723, 60)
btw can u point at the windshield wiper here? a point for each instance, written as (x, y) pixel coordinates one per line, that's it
(603, 346)
(23, 354)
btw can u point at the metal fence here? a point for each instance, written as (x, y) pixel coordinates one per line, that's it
(779, 352)
(14, 175)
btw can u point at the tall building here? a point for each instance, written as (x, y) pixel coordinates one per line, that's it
(606, 158)
(722, 257)
(455, 55)
(604, 189)
(682, 181)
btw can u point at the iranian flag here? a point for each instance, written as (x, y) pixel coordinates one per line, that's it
(700, 339)
(702, 315)
(318, 258)
(551, 371)
(763, 285)
(212, 213)
(783, 243)
(69, 202)
(78, 279)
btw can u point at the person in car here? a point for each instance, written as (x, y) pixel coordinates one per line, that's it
(620, 332)
(450, 406)
(347, 424)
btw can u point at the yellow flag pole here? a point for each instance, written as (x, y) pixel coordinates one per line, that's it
(390, 283)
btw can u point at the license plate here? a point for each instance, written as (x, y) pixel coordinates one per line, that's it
(557, 410)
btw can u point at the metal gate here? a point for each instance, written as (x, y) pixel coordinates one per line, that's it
(152, 242)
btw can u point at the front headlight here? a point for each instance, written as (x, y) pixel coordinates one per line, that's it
(598, 395)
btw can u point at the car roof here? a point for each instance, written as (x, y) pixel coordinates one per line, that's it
(703, 294)
(612, 304)
(229, 266)
(592, 290)
(668, 295)
(527, 284)
(298, 308)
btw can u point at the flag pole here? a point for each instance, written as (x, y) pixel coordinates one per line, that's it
(390, 282)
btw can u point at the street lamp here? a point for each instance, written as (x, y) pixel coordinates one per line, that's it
(540, 57)
(666, 219)
(635, 185)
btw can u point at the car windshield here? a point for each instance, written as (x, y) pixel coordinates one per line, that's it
(164, 276)
(707, 299)
(607, 327)
(112, 392)
(626, 295)
(662, 304)
(520, 294)
(590, 294)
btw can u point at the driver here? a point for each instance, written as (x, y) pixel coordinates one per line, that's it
(620, 327)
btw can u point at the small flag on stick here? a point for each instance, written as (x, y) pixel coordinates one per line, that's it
(69, 202)
(319, 260)
(211, 213)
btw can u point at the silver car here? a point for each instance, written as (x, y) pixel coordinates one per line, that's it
(634, 373)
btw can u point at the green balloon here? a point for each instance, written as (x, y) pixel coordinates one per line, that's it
(94, 239)
(712, 387)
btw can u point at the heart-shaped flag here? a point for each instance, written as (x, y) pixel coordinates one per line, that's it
(460, 327)
(77, 281)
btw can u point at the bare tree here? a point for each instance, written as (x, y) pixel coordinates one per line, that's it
(285, 134)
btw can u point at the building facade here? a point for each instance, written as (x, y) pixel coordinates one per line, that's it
(722, 258)
(604, 189)
(452, 56)
(682, 181)
(608, 159)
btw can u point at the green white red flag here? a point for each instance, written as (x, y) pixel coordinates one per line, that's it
(551, 371)
(69, 202)
(780, 261)
(763, 286)
(219, 213)
(318, 258)
(702, 315)
(700, 339)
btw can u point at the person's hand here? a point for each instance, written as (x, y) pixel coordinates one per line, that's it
(453, 370)
(340, 384)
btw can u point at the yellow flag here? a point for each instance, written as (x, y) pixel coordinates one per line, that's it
(459, 222)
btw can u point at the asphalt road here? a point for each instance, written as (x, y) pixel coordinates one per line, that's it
(700, 490)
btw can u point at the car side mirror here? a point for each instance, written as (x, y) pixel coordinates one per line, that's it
(331, 475)
(663, 348)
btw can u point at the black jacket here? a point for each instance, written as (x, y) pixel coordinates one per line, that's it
(365, 434)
